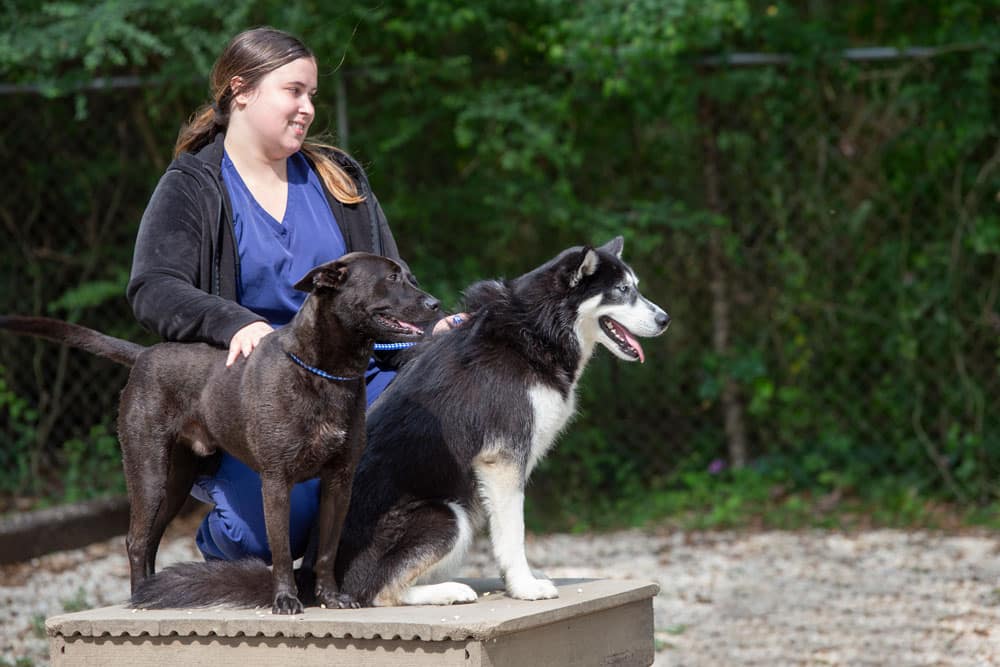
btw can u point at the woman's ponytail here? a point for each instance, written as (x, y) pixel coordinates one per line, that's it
(199, 131)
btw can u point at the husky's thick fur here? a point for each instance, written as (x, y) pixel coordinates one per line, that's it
(452, 441)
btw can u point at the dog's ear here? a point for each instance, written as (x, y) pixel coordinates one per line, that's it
(331, 274)
(585, 266)
(614, 246)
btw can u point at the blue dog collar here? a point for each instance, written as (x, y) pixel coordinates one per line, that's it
(319, 372)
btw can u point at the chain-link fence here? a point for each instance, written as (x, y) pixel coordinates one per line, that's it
(79, 177)
(840, 322)
(836, 315)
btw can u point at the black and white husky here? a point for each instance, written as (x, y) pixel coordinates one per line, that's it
(452, 441)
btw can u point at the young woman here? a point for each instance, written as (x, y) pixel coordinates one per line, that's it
(247, 207)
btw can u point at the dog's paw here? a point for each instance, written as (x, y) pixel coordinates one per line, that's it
(337, 601)
(448, 592)
(286, 603)
(532, 589)
(457, 593)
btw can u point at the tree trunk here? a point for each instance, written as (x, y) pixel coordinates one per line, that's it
(732, 405)
(343, 129)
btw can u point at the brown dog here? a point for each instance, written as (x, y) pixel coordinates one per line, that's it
(292, 410)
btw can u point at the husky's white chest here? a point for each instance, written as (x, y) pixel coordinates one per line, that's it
(550, 412)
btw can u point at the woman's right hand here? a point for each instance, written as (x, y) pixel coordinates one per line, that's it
(448, 323)
(246, 339)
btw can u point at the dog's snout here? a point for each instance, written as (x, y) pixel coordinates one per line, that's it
(432, 304)
(662, 319)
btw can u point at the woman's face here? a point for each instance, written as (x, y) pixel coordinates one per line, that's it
(279, 110)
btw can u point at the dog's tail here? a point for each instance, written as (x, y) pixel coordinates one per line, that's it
(122, 351)
(245, 583)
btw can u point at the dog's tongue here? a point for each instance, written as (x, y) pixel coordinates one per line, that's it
(634, 343)
(411, 327)
(627, 335)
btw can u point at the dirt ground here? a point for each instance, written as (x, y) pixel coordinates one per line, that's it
(879, 597)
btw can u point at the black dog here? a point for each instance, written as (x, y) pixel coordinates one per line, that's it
(453, 441)
(292, 410)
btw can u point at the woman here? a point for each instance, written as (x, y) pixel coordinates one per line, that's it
(247, 207)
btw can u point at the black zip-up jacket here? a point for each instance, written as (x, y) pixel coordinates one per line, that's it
(185, 269)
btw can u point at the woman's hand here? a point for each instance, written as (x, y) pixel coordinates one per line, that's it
(449, 323)
(246, 339)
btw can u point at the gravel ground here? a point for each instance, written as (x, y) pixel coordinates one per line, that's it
(727, 598)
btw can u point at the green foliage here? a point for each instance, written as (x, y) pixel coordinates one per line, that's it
(93, 466)
(16, 454)
(86, 468)
(90, 294)
(38, 626)
(858, 225)
(64, 44)
(76, 603)
(19, 662)
(635, 49)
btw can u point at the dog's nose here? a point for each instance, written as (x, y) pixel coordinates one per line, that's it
(662, 320)
(432, 304)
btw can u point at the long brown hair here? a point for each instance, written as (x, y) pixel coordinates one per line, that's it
(251, 55)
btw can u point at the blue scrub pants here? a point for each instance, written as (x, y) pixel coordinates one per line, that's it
(234, 528)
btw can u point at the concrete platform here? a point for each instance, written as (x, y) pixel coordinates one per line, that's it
(592, 622)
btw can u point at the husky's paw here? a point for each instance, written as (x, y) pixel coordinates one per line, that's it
(332, 600)
(532, 589)
(455, 592)
(449, 592)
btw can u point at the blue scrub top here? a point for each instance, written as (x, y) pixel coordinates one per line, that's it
(274, 255)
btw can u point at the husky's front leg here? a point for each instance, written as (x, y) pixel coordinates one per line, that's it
(502, 487)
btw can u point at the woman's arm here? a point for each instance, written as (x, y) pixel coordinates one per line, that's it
(165, 288)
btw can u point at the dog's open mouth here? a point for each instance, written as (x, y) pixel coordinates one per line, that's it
(623, 337)
(399, 326)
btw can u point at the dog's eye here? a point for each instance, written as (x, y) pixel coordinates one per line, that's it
(623, 289)
(393, 278)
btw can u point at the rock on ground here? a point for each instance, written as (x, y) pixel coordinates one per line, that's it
(881, 597)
